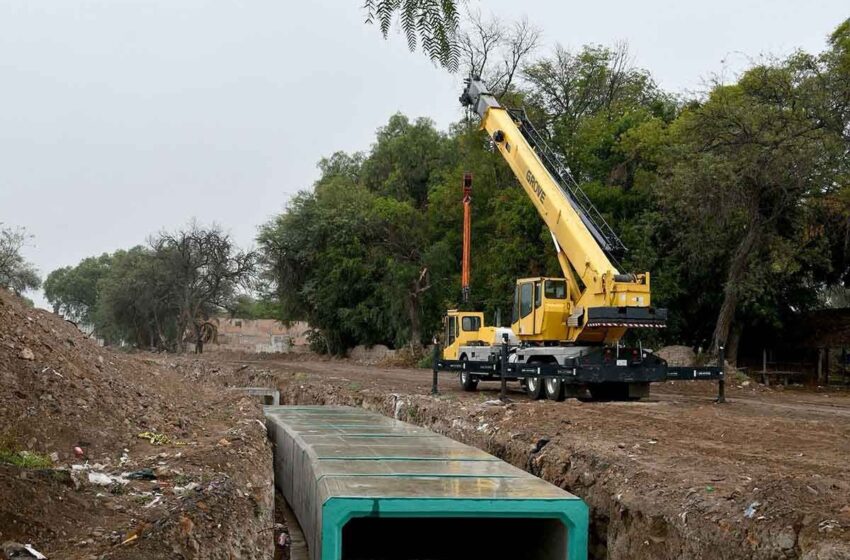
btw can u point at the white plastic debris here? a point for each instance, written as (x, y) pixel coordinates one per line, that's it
(35, 554)
(751, 510)
(181, 490)
(101, 479)
(154, 502)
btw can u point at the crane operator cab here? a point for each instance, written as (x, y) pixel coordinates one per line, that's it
(464, 328)
(542, 308)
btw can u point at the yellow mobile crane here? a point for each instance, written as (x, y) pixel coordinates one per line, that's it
(565, 332)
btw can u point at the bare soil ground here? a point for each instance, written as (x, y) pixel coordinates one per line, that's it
(207, 491)
(674, 476)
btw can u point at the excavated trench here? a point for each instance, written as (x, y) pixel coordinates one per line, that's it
(617, 530)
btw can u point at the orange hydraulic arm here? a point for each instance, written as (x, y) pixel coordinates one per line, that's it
(467, 235)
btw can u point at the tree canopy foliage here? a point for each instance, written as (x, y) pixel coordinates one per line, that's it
(16, 273)
(737, 202)
(431, 24)
(157, 295)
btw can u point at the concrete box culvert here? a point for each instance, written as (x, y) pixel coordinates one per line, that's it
(364, 486)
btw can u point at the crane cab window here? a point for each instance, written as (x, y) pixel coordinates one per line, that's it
(451, 330)
(526, 295)
(471, 324)
(538, 295)
(556, 289)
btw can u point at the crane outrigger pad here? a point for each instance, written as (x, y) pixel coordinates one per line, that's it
(366, 486)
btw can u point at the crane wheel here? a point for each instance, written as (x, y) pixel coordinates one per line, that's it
(534, 388)
(467, 381)
(554, 388)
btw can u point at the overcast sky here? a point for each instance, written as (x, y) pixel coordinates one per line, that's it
(122, 117)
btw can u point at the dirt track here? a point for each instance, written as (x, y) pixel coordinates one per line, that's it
(676, 476)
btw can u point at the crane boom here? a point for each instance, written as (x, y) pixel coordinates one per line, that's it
(602, 301)
(466, 265)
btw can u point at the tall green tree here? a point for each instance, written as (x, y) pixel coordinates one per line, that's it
(16, 273)
(131, 305)
(746, 169)
(72, 291)
(157, 296)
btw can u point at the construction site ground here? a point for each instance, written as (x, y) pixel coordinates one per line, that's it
(674, 476)
(105, 454)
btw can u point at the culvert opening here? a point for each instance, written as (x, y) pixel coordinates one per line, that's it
(453, 538)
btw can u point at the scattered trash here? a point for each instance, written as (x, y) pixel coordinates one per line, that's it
(155, 438)
(709, 488)
(182, 490)
(130, 539)
(828, 525)
(751, 510)
(13, 550)
(223, 442)
(103, 479)
(54, 456)
(79, 453)
(26, 354)
(282, 540)
(35, 554)
(142, 474)
(493, 402)
(153, 502)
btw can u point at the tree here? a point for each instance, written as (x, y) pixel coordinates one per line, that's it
(429, 23)
(132, 305)
(594, 94)
(245, 306)
(16, 274)
(72, 291)
(496, 52)
(754, 157)
(202, 271)
(157, 296)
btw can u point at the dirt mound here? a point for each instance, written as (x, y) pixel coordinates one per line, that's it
(678, 355)
(59, 390)
(77, 480)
